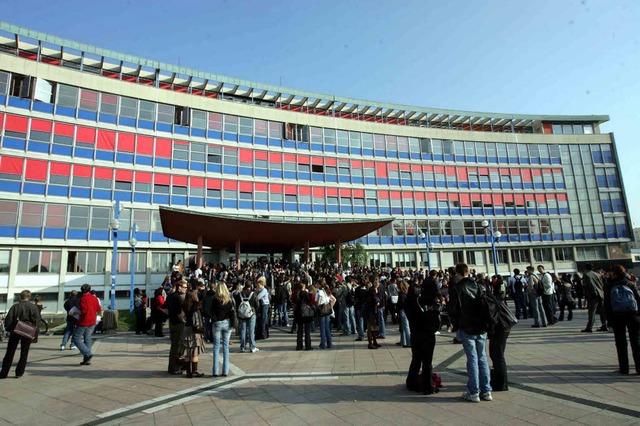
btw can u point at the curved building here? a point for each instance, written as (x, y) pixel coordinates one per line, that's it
(82, 127)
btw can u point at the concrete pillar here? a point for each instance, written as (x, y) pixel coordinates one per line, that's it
(238, 255)
(306, 257)
(339, 253)
(199, 256)
(64, 258)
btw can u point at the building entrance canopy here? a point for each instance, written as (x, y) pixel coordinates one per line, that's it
(260, 235)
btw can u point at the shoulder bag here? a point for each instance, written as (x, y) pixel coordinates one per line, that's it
(25, 329)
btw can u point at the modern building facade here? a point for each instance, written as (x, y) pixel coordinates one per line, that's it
(82, 127)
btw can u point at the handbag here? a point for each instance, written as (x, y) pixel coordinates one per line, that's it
(198, 323)
(25, 330)
(307, 311)
(325, 309)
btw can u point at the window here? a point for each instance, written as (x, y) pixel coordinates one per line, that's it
(520, 255)
(230, 124)
(501, 256)
(128, 107)
(100, 218)
(67, 96)
(32, 214)
(89, 100)
(87, 262)
(5, 261)
(147, 111)
(8, 213)
(542, 255)
(165, 113)
(56, 216)
(108, 104)
(591, 253)
(79, 217)
(124, 262)
(162, 262)
(39, 262)
(564, 254)
(246, 126)
(198, 119)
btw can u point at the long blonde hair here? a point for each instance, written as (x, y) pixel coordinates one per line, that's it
(223, 293)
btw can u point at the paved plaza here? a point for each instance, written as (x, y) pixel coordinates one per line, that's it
(557, 376)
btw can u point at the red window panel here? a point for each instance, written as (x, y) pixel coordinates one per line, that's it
(275, 188)
(230, 185)
(124, 175)
(526, 175)
(450, 171)
(356, 164)
(11, 165)
(261, 186)
(465, 200)
(318, 192)
(368, 164)
(475, 197)
(304, 190)
(179, 180)
(36, 170)
(405, 167)
(428, 169)
(486, 199)
(514, 172)
(508, 198)
(419, 195)
(126, 142)
(143, 177)
(547, 127)
(275, 157)
(106, 140)
(163, 148)
(497, 200)
(1, 120)
(442, 196)
(196, 182)
(431, 196)
(16, 123)
(536, 172)
(290, 189)
(551, 196)
(161, 179)
(81, 171)
(519, 199)
(454, 197)
(540, 198)
(332, 192)
(246, 156)
(504, 172)
(345, 192)
(41, 125)
(303, 159)
(261, 155)
(392, 166)
(556, 170)
(381, 170)
(144, 145)
(178, 142)
(462, 173)
(483, 171)
(562, 197)
(214, 184)
(330, 162)
(319, 161)
(416, 168)
(103, 173)
(530, 197)
(358, 193)
(246, 187)
(290, 158)
(383, 194)
(60, 169)
(86, 134)
(439, 169)
(63, 129)
(407, 194)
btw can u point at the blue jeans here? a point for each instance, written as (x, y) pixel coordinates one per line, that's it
(520, 300)
(405, 333)
(248, 328)
(383, 330)
(264, 320)
(349, 320)
(325, 332)
(82, 339)
(283, 314)
(222, 330)
(68, 334)
(360, 314)
(477, 366)
(537, 310)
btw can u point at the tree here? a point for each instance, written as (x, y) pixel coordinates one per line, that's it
(354, 253)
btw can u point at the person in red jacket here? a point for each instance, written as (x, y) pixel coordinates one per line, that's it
(89, 307)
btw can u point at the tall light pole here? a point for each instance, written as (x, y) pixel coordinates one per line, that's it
(495, 236)
(425, 236)
(132, 242)
(114, 225)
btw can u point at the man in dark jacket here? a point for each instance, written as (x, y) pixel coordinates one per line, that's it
(465, 309)
(24, 311)
(72, 320)
(176, 325)
(594, 293)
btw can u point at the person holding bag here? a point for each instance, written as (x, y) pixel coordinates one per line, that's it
(222, 316)
(21, 321)
(192, 343)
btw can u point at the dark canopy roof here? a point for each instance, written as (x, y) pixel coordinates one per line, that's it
(260, 235)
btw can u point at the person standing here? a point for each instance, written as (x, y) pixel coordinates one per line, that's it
(535, 291)
(465, 310)
(547, 296)
(221, 314)
(594, 294)
(302, 297)
(192, 341)
(262, 330)
(27, 312)
(72, 320)
(360, 295)
(140, 311)
(323, 295)
(89, 307)
(565, 297)
(619, 296)
(403, 318)
(372, 309)
(176, 325)
(518, 288)
(247, 304)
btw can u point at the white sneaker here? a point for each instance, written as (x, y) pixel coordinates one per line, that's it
(437, 333)
(62, 347)
(254, 350)
(73, 347)
(486, 396)
(469, 397)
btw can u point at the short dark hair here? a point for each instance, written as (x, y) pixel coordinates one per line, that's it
(516, 271)
(462, 269)
(588, 266)
(85, 288)
(25, 295)
(619, 270)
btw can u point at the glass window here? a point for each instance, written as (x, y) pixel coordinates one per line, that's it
(100, 218)
(367, 141)
(246, 126)
(32, 214)
(89, 100)
(162, 262)
(198, 119)
(275, 130)
(230, 124)
(109, 104)
(198, 151)
(8, 213)
(79, 217)
(165, 113)
(56, 216)
(564, 253)
(147, 111)
(5, 260)
(124, 262)
(542, 255)
(87, 262)
(67, 96)
(128, 107)
(35, 262)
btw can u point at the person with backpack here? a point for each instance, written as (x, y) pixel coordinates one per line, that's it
(517, 287)
(348, 300)
(465, 309)
(547, 294)
(361, 294)
(535, 292)
(222, 314)
(302, 302)
(282, 299)
(247, 304)
(565, 297)
(594, 294)
(621, 301)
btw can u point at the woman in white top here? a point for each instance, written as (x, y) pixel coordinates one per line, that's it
(323, 296)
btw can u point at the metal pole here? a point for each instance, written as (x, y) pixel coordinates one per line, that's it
(493, 247)
(114, 261)
(428, 250)
(132, 242)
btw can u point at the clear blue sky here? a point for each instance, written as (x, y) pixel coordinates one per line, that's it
(531, 57)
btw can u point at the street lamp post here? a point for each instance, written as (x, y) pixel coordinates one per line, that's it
(425, 236)
(495, 237)
(114, 225)
(132, 242)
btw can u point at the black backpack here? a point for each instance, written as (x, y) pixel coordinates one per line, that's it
(518, 285)
(350, 298)
(489, 309)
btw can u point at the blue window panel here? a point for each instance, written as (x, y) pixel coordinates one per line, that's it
(534, 160)
(503, 160)
(357, 180)
(449, 157)
(3, 99)
(356, 151)
(330, 148)
(106, 118)
(538, 186)
(260, 141)
(567, 236)
(7, 231)
(164, 127)
(304, 176)
(536, 237)
(230, 170)
(421, 210)
(304, 146)
(408, 211)
(440, 184)
(126, 121)
(290, 207)
(385, 210)
(553, 211)
(305, 207)
(332, 209)
(346, 209)
(215, 168)
(546, 237)
(246, 205)
(466, 211)
(231, 137)
(343, 149)
(331, 178)
(319, 208)
(524, 161)
(275, 174)
(230, 204)
(14, 143)
(160, 199)
(406, 155)
(54, 190)
(81, 192)
(458, 239)
(482, 159)
(493, 159)
(398, 240)
(463, 184)
(386, 240)
(87, 115)
(158, 237)
(437, 157)
(540, 211)
(196, 201)
(261, 205)
(101, 194)
(446, 239)
(606, 206)
(345, 179)
(317, 177)
(144, 124)
(372, 210)
(394, 182)
(474, 185)
(83, 153)
(444, 212)
(261, 173)
(471, 159)
(213, 202)
(177, 200)
(545, 161)
(198, 132)
(144, 159)
(478, 211)
(525, 237)
(289, 144)
(369, 152)
(96, 234)
(246, 171)
(181, 130)
(382, 181)
(601, 181)
(29, 232)
(290, 175)
(555, 161)
(497, 210)
(469, 239)
(406, 182)
(370, 181)
(617, 206)
(53, 233)
(531, 211)
(19, 102)
(32, 188)
(455, 212)
(77, 234)
(374, 240)
(142, 197)
(392, 154)
(161, 162)
(122, 195)
(126, 158)
(275, 142)
(180, 164)
(359, 210)
(528, 185)
(517, 185)
(43, 107)
(212, 134)
(196, 166)
(38, 147)
(105, 155)
(521, 211)
(600, 235)
(246, 139)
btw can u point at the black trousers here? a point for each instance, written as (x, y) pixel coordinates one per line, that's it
(141, 320)
(304, 327)
(423, 344)
(12, 345)
(621, 324)
(497, 346)
(594, 306)
(546, 305)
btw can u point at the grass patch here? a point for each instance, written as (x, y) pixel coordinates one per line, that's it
(126, 320)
